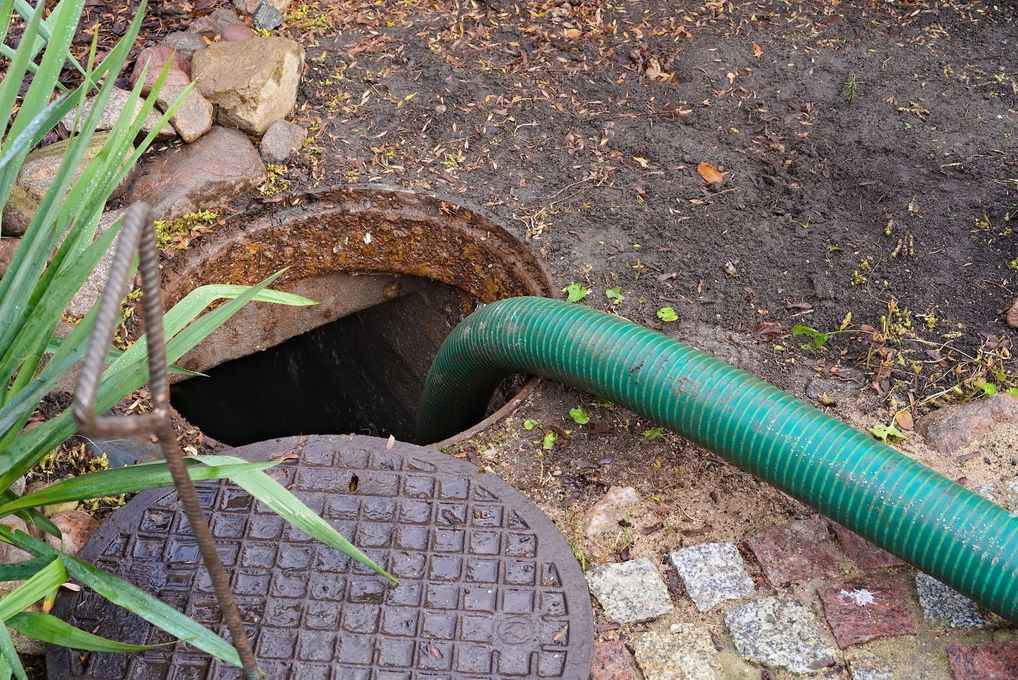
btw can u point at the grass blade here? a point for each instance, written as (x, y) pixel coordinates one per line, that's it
(55, 631)
(131, 598)
(131, 479)
(292, 509)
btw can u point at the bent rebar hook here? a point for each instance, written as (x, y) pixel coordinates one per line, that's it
(138, 234)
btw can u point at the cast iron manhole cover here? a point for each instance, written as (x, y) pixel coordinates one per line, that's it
(489, 588)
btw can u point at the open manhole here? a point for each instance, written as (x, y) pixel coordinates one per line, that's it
(394, 272)
(489, 588)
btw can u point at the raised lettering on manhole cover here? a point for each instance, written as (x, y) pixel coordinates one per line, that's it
(489, 588)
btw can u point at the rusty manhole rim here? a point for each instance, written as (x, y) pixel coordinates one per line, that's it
(239, 245)
(123, 544)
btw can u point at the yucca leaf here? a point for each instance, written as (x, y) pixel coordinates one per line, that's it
(55, 631)
(8, 652)
(278, 499)
(130, 479)
(131, 598)
(19, 571)
(34, 588)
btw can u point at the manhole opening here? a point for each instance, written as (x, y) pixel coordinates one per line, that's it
(362, 373)
(393, 271)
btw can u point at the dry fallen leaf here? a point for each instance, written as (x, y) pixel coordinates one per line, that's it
(710, 174)
(757, 50)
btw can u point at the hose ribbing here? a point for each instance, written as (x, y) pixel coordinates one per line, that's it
(905, 507)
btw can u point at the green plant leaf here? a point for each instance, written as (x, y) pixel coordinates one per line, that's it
(575, 292)
(667, 314)
(818, 339)
(55, 631)
(276, 497)
(19, 571)
(883, 432)
(653, 433)
(33, 589)
(10, 654)
(131, 598)
(130, 479)
(615, 295)
(549, 440)
(579, 415)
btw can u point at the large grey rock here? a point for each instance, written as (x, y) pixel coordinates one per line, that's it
(185, 43)
(780, 632)
(282, 140)
(712, 573)
(630, 592)
(93, 286)
(193, 117)
(115, 105)
(953, 427)
(221, 165)
(610, 510)
(941, 603)
(684, 652)
(253, 83)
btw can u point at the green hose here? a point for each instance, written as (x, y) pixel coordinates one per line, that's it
(926, 519)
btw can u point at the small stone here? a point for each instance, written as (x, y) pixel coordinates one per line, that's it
(1012, 314)
(151, 60)
(681, 653)
(18, 212)
(93, 286)
(252, 83)
(942, 603)
(712, 573)
(864, 553)
(237, 32)
(214, 24)
(8, 246)
(192, 118)
(993, 661)
(77, 526)
(953, 427)
(282, 140)
(796, 551)
(872, 674)
(1012, 495)
(115, 105)
(630, 592)
(781, 633)
(185, 43)
(612, 661)
(267, 16)
(222, 164)
(860, 610)
(610, 509)
(8, 553)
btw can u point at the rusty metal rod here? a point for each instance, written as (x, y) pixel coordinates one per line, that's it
(138, 234)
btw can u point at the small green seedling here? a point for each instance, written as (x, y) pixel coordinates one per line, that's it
(579, 415)
(818, 338)
(667, 314)
(884, 432)
(575, 292)
(653, 433)
(615, 295)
